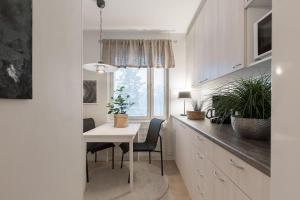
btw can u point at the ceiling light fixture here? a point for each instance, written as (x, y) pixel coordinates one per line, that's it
(100, 67)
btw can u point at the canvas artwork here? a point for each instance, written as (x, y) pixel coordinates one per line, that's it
(16, 49)
(90, 91)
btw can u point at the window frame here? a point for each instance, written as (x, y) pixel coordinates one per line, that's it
(150, 97)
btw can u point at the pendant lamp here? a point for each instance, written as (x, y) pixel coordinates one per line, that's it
(100, 67)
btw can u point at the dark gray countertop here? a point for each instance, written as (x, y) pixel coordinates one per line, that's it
(255, 153)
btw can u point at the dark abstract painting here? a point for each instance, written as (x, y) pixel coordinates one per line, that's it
(16, 49)
(89, 92)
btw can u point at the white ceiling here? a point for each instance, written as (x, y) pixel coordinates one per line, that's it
(154, 15)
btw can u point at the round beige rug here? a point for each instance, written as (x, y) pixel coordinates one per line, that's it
(111, 184)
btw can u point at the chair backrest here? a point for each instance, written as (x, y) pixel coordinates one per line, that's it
(88, 124)
(153, 132)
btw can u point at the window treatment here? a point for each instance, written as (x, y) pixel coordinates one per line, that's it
(139, 53)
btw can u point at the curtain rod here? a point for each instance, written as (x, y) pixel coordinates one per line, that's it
(174, 41)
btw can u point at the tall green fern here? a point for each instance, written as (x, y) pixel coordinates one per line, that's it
(247, 98)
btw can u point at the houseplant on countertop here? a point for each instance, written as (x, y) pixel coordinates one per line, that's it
(197, 114)
(119, 106)
(248, 102)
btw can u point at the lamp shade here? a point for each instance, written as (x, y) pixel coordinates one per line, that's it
(100, 67)
(184, 95)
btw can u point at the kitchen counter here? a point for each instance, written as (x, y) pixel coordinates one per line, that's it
(255, 153)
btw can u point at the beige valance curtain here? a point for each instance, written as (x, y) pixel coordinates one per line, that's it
(138, 53)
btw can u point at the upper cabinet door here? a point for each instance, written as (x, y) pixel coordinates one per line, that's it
(215, 42)
(212, 39)
(231, 40)
(200, 49)
(195, 51)
(189, 57)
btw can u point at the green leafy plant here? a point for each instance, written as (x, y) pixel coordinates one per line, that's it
(120, 102)
(246, 98)
(197, 106)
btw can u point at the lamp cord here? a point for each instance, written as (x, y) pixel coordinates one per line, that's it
(100, 35)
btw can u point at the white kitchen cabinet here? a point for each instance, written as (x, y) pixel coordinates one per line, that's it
(215, 42)
(195, 52)
(223, 188)
(183, 155)
(251, 181)
(212, 173)
(231, 31)
(178, 146)
(189, 57)
(211, 24)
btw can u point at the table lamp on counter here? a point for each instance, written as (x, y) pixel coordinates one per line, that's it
(184, 95)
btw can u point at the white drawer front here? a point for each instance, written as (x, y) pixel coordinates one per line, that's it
(254, 183)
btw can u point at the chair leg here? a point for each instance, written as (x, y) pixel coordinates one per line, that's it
(149, 157)
(128, 178)
(122, 159)
(113, 157)
(87, 169)
(161, 158)
(95, 157)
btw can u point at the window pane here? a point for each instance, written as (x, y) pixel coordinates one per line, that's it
(135, 82)
(159, 92)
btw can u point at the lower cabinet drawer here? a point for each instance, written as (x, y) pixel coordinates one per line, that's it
(220, 187)
(254, 183)
(198, 141)
(199, 181)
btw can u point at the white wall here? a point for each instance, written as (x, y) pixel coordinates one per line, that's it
(286, 98)
(97, 111)
(91, 55)
(41, 146)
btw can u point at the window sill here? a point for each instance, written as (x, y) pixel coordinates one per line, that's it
(137, 120)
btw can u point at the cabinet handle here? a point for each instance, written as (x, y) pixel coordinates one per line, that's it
(236, 66)
(199, 138)
(200, 174)
(206, 79)
(217, 176)
(236, 165)
(182, 126)
(200, 156)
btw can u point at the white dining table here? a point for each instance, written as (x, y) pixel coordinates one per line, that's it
(107, 133)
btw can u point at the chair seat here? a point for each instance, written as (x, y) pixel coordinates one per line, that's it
(98, 146)
(138, 147)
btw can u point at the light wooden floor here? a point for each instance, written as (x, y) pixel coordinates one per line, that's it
(177, 188)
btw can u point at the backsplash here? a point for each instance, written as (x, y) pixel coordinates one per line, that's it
(203, 91)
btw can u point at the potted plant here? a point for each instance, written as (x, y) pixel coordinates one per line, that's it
(119, 106)
(248, 103)
(197, 113)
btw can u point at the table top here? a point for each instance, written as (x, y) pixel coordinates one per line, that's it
(108, 129)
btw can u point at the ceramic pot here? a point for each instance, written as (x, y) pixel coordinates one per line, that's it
(258, 129)
(120, 120)
(195, 115)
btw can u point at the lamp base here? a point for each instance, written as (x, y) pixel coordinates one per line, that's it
(182, 114)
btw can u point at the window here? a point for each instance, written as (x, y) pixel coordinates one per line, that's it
(147, 89)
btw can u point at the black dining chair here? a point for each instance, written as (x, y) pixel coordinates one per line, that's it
(150, 143)
(94, 147)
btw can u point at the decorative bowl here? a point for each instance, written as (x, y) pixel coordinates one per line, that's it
(258, 129)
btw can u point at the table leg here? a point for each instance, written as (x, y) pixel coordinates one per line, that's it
(131, 162)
